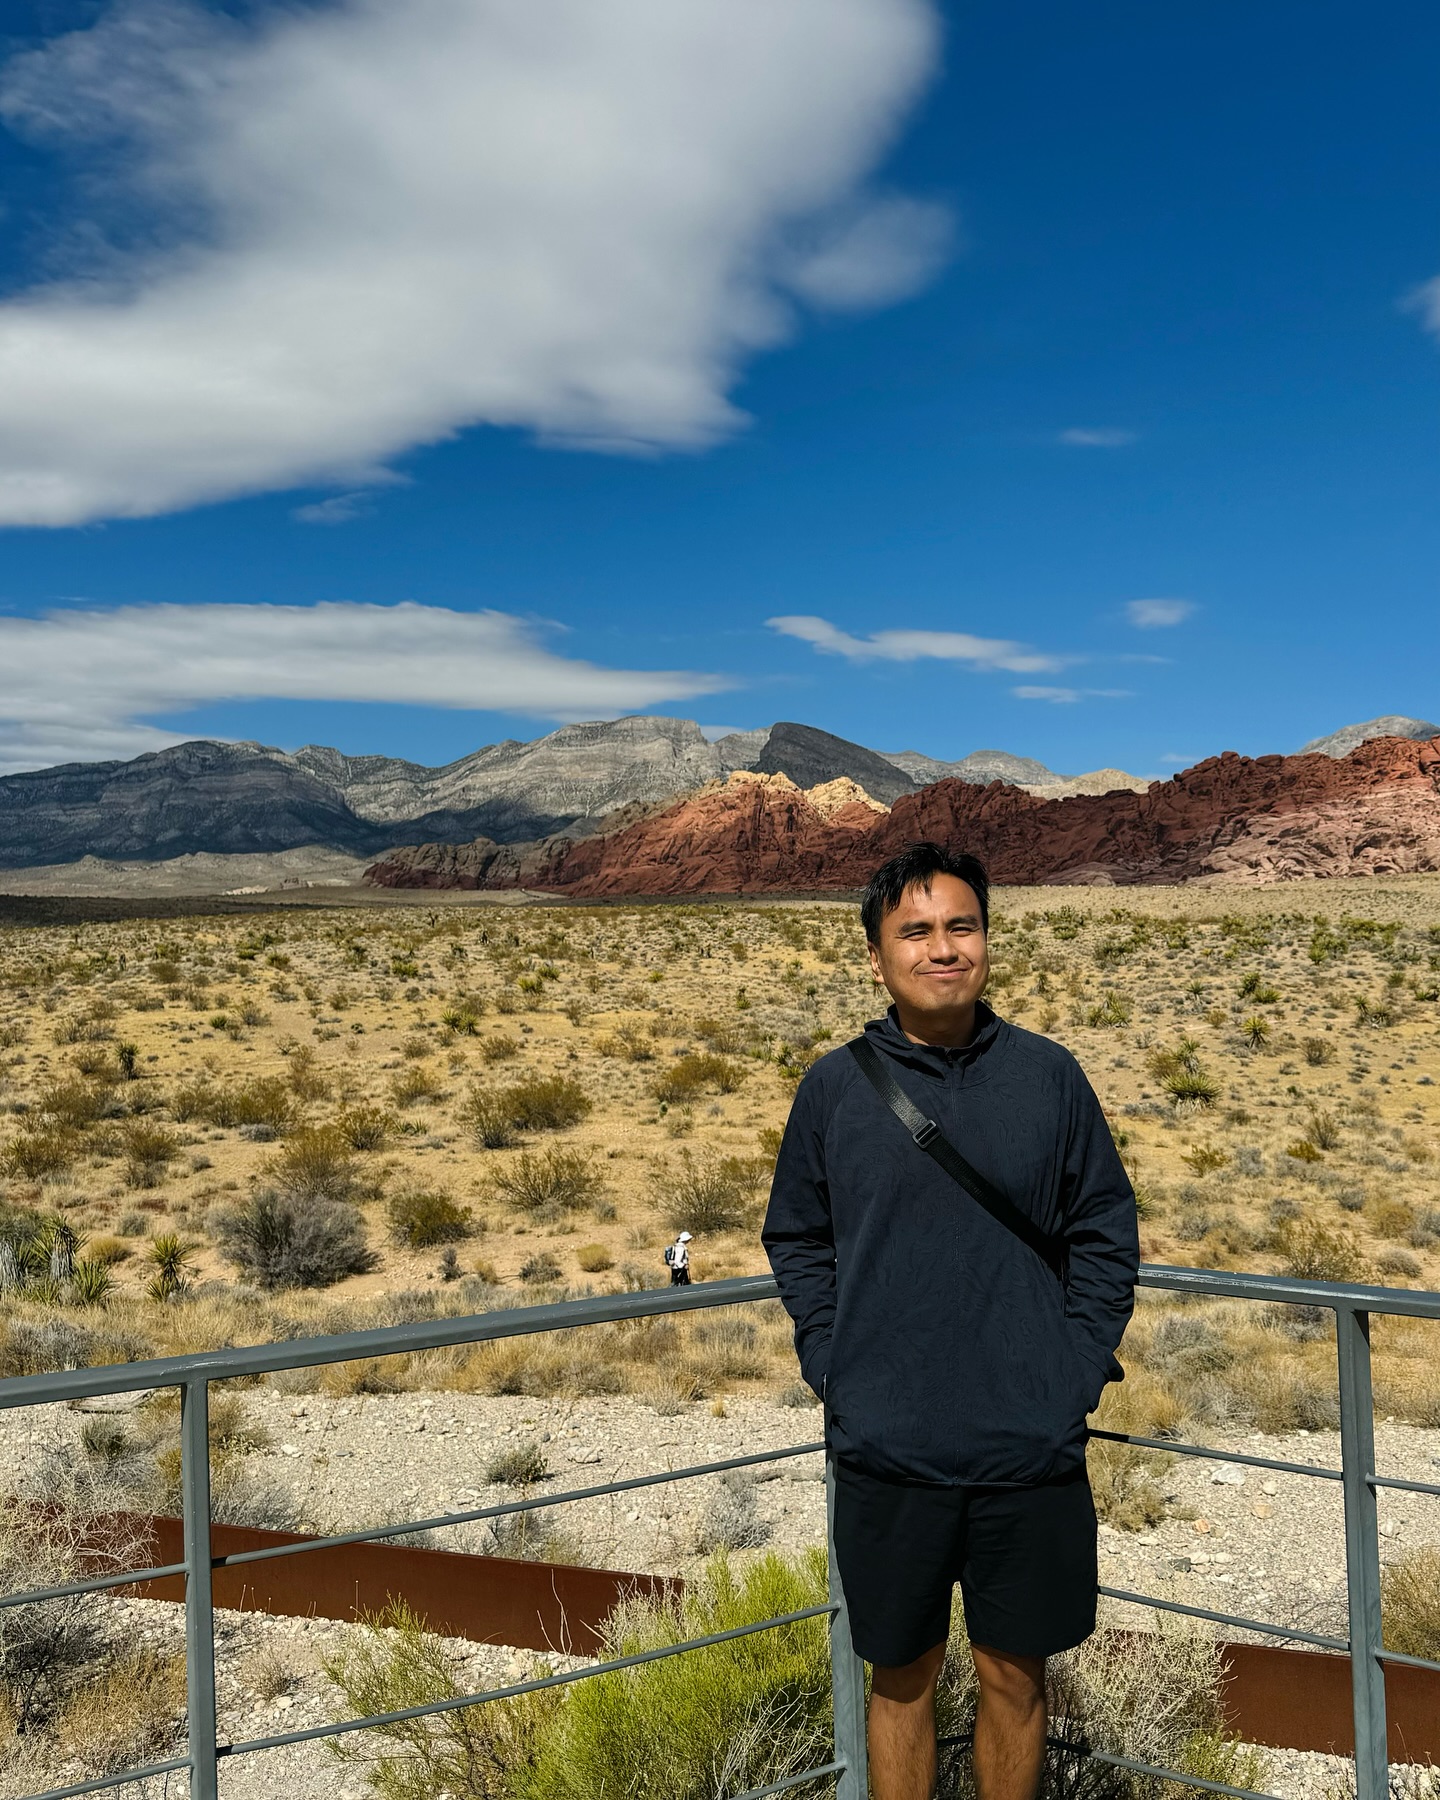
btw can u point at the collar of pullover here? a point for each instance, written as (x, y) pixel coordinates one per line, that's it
(933, 1059)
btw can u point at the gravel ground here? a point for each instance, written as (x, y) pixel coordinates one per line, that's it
(1265, 1545)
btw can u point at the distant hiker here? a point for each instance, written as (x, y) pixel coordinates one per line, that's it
(677, 1258)
(954, 1236)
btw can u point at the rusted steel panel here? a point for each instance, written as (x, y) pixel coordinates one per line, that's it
(487, 1599)
(1300, 1700)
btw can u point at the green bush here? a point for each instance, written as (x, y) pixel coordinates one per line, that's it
(315, 1164)
(38, 1155)
(1410, 1602)
(421, 1216)
(266, 1102)
(538, 1103)
(1182, 1077)
(547, 1103)
(149, 1150)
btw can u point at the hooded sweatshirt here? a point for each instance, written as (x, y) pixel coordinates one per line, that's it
(946, 1351)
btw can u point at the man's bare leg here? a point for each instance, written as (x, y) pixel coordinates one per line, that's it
(902, 1728)
(1009, 1725)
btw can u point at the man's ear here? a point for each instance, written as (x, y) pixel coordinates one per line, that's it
(875, 964)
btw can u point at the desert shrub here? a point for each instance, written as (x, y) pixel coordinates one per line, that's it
(267, 1101)
(521, 1466)
(1391, 1218)
(415, 1084)
(594, 1259)
(1122, 1479)
(1302, 1150)
(127, 1713)
(149, 1150)
(1319, 1051)
(499, 1047)
(742, 1714)
(538, 1103)
(797, 1394)
(109, 1250)
(550, 1182)
(720, 1036)
(1249, 1160)
(471, 1753)
(540, 1267)
(421, 1216)
(75, 1104)
(463, 1016)
(51, 1649)
(1205, 1158)
(694, 1074)
(547, 1102)
(727, 1348)
(316, 1163)
(1410, 1603)
(39, 1154)
(1182, 1077)
(1392, 1260)
(729, 1519)
(1324, 1132)
(707, 1192)
(365, 1127)
(488, 1117)
(305, 1076)
(1311, 1251)
(281, 1240)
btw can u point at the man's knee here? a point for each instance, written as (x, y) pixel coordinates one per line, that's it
(910, 1682)
(1015, 1682)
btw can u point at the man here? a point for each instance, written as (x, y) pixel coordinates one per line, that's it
(678, 1257)
(957, 1348)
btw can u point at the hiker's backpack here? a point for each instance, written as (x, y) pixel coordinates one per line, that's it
(670, 1256)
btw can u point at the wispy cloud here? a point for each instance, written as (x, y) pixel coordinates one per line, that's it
(916, 646)
(339, 509)
(1069, 696)
(81, 684)
(1103, 437)
(330, 234)
(1154, 615)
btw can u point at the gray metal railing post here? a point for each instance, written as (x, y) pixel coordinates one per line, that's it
(1362, 1552)
(847, 1673)
(199, 1610)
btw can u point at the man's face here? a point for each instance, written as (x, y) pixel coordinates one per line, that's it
(932, 954)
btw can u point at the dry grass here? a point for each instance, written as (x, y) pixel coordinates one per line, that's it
(370, 1055)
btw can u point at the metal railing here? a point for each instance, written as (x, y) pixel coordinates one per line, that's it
(1352, 1307)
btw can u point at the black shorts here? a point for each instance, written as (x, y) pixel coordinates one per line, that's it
(1025, 1559)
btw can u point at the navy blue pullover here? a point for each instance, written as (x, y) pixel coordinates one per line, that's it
(945, 1350)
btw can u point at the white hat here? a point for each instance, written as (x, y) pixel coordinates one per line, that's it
(684, 1237)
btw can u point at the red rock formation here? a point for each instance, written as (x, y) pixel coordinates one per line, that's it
(1273, 818)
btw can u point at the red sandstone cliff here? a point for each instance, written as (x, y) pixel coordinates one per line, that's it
(1273, 818)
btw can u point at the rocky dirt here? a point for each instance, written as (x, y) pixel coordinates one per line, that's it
(1243, 1541)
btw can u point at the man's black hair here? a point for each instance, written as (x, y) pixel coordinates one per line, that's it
(917, 865)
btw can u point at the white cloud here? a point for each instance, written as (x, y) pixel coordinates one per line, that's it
(1069, 696)
(78, 685)
(1098, 438)
(1425, 300)
(361, 226)
(339, 509)
(1151, 615)
(913, 646)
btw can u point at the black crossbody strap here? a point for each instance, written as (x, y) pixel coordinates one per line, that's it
(928, 1135)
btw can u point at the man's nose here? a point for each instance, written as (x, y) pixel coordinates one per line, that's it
(943, 951)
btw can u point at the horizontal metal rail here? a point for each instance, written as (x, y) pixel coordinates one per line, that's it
(1351, 1305)
(1219, 1618)
(381, 1341)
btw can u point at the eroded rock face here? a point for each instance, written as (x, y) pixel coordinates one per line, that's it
(1270, 818)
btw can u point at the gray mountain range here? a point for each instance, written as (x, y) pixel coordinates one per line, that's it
(1342, 742)
(207, 798)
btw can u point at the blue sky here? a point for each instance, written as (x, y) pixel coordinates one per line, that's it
(1058, 310)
